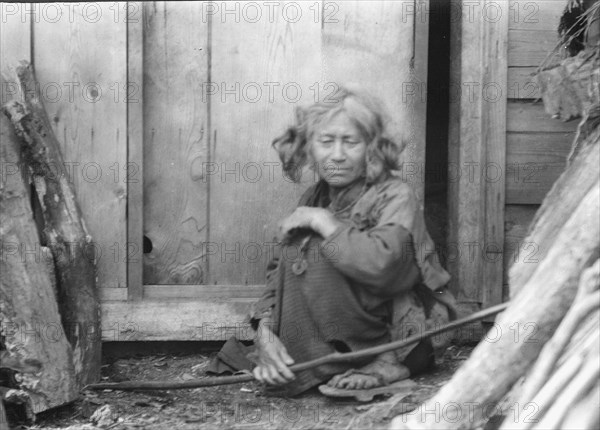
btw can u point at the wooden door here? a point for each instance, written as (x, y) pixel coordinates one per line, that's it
(220, 83)
(183, 103)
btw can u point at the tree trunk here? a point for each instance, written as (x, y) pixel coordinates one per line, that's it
(71, 246)
(551, 383)
(29, 317)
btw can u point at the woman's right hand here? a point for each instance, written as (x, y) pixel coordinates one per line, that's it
(272, 357)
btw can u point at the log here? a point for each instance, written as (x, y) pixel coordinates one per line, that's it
(30, 321)
(548, 381)
(581, 384)
(586, 413)
(64, 229)
(515, 341)
(586, 301)
(557, 207)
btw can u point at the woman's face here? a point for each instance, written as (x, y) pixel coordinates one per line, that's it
(339, 151)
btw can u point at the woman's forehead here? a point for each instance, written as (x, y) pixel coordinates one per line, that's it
(340, 123)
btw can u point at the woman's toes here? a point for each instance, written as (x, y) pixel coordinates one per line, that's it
(371, 382)
(359, 383)
(344, 382)
(333, 382)
(351, 383)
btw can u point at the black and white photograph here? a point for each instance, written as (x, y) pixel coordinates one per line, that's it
(308, 214)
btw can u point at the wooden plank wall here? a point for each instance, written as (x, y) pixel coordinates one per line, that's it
(80, 59)
(83, 95)
(15, 43)
(258, 72)
(376, 50)
(175, 143)
(536, 145)
(261, 66)
(184, 99)
(261, 71)
(477, 139)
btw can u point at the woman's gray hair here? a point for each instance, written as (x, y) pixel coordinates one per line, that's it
(366, 114)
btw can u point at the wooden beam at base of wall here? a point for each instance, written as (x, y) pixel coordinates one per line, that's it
(181, 320)
(179, 312)
(201, 313)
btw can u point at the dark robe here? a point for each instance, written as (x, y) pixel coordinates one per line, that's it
(366, 284)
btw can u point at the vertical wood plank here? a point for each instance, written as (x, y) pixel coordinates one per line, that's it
(80, 60)
(495, 78)
(15, 45)
(135, 155)
(261, 69)
(374, 46)
(465, 153)
(175, 142)
(477, 154)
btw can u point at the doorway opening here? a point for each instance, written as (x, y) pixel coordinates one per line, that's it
(438, 107)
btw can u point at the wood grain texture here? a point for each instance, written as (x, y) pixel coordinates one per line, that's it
(494, 119)
(158, 320)
(204, 292)
(261, 72)
(527, 117)
(558, 205)
(477, 149)
(534, 161)
(185, 292)
(372, 45)
(15, 45)
(466, 194)
(175, 142)
(522, 84)
(81, 66)
(527, 48)
(535, 15)
(64, 229)
(135, 150)
(31, 323)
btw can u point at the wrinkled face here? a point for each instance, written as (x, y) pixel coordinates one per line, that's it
(339, 151)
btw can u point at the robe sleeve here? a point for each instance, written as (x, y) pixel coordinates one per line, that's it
(382, 257)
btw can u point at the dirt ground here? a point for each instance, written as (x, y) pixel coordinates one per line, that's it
(241, 406)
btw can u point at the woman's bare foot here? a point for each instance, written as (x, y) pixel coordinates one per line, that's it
(384, 370)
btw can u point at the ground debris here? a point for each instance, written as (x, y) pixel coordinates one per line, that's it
(103, 417)
(232, 406)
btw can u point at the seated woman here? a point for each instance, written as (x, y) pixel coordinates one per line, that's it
(357, 267)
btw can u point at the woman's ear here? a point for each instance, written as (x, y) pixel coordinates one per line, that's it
(374, 170)
(374, 165)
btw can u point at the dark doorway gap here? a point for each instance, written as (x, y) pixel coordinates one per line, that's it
(438, 107)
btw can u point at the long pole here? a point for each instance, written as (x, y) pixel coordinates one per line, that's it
(331, 358)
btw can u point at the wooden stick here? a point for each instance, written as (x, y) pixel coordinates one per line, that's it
(331, 358)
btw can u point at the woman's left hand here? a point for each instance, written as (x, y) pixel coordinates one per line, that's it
(317, 219)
